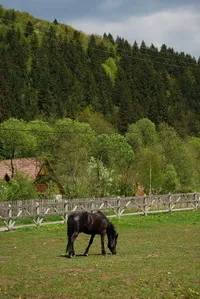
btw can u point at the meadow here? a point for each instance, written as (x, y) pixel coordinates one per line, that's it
(158, 256)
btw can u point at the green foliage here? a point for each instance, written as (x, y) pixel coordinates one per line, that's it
(18, 188)
(110, 68)
(114, 151)
(16, 141)
(177, 153)
(83, 160)
(100, 179)
(170, 181)
(3, 190)
(96, 121)
(116, 155)
(44, 136)
(70, 156)
(55, 22)
(29, 29)
(141, 134)
(71, 131)
(123, 98)
(148, 165)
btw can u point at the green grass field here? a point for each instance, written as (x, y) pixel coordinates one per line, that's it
(158, 257)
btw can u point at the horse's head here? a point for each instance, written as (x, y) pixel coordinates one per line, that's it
(112, 243)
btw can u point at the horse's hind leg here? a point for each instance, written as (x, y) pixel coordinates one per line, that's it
(68, 244)
(69, 234)
(71, 244)
(102, 243)
(90, 243)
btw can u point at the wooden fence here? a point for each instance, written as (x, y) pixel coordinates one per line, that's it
(38, 211)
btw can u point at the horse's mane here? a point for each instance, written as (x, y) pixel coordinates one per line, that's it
(111, 229)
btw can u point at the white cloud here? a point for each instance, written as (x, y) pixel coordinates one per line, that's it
(178, 29)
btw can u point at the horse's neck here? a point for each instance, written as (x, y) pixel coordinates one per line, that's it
(110, 230)
(100, 213)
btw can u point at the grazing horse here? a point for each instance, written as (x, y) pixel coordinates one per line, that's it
(91, 224)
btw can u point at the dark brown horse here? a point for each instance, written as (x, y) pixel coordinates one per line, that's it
(91, 224)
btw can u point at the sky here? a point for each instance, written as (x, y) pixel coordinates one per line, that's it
(175, 23)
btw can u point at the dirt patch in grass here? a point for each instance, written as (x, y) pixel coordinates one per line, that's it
(75, 271)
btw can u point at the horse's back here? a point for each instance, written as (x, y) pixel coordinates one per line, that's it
(98, 222)
(77, 220)
(78, 217)
(86, 222)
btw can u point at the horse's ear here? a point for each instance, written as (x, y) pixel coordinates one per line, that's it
(116, 236)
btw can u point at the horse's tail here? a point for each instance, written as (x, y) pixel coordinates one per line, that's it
(67, 248)
(69, 234)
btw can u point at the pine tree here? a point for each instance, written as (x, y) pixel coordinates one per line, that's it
(29, 29)
(122, 98)
(55, 22)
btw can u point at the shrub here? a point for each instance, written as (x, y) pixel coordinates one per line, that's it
(19, 187)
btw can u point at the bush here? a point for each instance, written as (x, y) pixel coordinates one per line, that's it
(3, 190)
(20, 187)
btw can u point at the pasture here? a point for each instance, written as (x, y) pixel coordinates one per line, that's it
(158, 256)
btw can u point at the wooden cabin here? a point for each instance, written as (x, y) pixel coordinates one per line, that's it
(39, 171)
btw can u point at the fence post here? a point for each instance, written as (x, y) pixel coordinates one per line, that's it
(66, 207)
(195, 201)
(118, 207)
(38, 220)
(92, 205)
(170, 202)
(10, 222)
(145, 206)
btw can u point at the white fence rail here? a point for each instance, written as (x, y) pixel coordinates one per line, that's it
(38, 211)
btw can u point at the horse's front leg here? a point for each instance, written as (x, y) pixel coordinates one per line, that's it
(68, 244)
(71, 244)
(102, 243)
(90, 243)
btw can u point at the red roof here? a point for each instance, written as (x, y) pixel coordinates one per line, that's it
(30, 166)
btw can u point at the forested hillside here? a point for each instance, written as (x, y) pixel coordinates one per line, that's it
(105, 114)
(50, 71)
